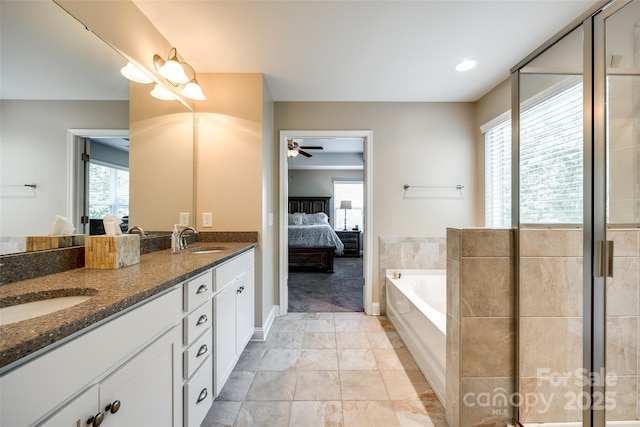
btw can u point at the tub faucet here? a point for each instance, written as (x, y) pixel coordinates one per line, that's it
(183, 237)
(137, 229)
(397, 275)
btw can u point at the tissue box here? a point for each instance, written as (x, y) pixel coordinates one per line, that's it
(39, 243)
(110, 252)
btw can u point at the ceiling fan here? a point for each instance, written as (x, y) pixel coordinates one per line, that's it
(294, 149)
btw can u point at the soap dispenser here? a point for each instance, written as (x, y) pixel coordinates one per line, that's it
(175, 240)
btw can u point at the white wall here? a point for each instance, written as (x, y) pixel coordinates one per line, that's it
(413, 143)
(33, 149)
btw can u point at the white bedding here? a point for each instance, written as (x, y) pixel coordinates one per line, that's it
(317, 235)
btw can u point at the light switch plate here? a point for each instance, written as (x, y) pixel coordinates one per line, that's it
(207, 219)
(184, 219)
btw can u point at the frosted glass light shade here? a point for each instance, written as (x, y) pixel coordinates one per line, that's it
(193, 91)
(173, 71)
(161, 93)
(134, 74)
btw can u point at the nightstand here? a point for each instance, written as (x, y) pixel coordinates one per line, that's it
(351, 241)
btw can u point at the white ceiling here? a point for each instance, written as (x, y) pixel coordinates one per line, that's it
(362, 50)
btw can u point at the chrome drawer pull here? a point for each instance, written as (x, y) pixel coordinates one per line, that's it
(201, 289)
(202, 350)
(202, 396)
(202, 320)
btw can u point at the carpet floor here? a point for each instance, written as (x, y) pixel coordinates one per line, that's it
(314, 292)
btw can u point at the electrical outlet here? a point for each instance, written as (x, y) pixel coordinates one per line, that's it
(184, 219)
(207, 219)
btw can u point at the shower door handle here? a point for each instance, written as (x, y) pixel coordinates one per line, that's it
(603, 258)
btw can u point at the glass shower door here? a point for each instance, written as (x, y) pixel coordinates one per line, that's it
(622, 279)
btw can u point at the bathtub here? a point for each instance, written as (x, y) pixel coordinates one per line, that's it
(417, 307)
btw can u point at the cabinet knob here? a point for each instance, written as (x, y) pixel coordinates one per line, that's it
(201, 289)
(113, 407)
(202, 319)
(203, 395)
(96, 420)
(202, 350)
(240, 289)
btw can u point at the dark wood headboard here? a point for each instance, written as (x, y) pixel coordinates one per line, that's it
(310, 205)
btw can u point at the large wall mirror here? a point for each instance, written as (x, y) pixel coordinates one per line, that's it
(61, 88)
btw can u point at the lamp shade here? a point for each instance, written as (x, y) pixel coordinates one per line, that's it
(345, 204)
(134, 74)
(173, 71)
(161, 93)
(193, 91)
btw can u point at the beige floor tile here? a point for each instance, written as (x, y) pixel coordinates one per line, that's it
(316, 414)
(385, 340)
(352, 340)
(318, 385)
(281, 339)
(368, 414)
(319, 325)
(263, 414)
(362, 385)
(318, 359)
(356, 359)
(236, 387)
(398, 359)
(414, 413)
(277, 359)
(350, 325)
(222, 414)
(273, 385)
(409, 385)
(289, 325)
(319, 340)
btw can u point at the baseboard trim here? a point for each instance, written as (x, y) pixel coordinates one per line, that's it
(261, 334)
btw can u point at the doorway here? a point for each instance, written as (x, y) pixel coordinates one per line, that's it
(367, 139)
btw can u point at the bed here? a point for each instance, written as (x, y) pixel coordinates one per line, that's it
(312, 241)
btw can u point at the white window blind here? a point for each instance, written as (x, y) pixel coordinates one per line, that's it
(550, 162)
(354, 192)
(551, 159)
(108, 191)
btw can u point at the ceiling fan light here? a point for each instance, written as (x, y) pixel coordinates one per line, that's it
(134, 74)
(173, 71)
(292, 153)
(159, 92)
(192, 90)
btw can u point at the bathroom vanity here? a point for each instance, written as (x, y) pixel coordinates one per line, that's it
(151, 347)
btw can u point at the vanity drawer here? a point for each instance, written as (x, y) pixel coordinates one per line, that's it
(197, 290)
(227, 272)
(197, 322)
(198, 395)
(197, 353)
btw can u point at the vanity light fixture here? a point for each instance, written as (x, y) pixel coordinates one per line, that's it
(171, 69)
(192, 89)
(160, 92)
(465, 65)
(134, 74)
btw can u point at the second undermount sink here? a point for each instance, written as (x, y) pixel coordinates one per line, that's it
(35, 307)
(206, 249)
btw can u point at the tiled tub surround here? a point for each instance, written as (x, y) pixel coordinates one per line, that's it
(480, 326)
(421, 253)
(117, 290)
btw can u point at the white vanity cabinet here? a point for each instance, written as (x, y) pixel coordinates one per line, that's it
(197, 352)
(233, 308)
(132, 359)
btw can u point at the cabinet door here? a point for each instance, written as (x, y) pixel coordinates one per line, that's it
(77, 412)
(244, 311)
(147, 386)
(224, 336)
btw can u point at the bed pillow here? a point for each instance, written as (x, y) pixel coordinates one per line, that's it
(296, 218)
(317, 218)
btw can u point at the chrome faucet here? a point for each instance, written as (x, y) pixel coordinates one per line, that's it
(183, 238)
(139, 230)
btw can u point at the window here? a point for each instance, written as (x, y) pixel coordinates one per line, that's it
(550, 162)
(352, 191)
(108, 190)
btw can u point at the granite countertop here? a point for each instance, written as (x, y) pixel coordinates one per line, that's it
(115, 291)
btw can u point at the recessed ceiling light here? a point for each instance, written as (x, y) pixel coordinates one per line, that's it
(466, 65)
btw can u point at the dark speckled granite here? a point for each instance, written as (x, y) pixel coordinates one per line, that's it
(116, 290)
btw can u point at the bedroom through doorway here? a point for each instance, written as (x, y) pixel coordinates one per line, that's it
(325, 193)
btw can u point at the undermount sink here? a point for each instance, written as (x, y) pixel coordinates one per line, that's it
(207, 250)
(39, 305)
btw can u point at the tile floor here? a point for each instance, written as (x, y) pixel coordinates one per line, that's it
(327, 369)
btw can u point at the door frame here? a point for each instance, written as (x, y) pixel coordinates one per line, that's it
(367, 135)
(76, 202)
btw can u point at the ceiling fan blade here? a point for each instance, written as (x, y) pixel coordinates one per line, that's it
(304, 153)
(312, 147)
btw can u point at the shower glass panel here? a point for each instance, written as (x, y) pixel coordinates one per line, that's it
(550, 234)
(622, 127)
